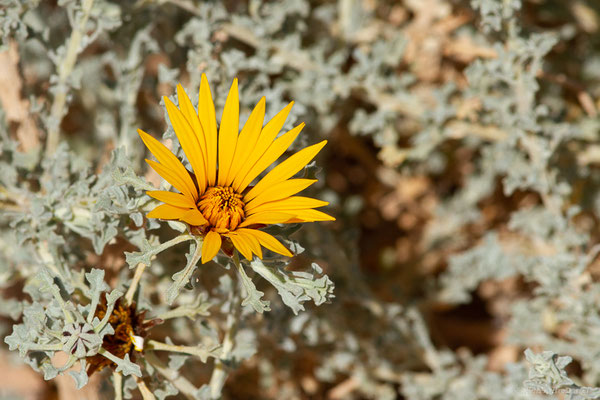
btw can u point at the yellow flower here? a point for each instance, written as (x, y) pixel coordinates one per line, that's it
(219, 203)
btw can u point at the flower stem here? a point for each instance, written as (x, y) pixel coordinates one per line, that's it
(170, 243)
(220, 371)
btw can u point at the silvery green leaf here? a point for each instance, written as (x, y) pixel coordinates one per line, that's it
(11, 308)
(546, 372)
(137, 218)
(295, 287)
(50, 371)
(103, 327)
(35, 315)
(245, 345)
(199, 306)
(81, 376)
(80, 340)
(203, 393)
(178, 226)
(129, 386)
(18, 337)
(97, 285)
(166, 390)
(129, 177)
(181, 278)
(253, 296)
(106, 235)
(166, 74)
(176, 361)
(126, 366)
(140, 257)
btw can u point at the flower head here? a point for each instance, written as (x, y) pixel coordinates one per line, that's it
(217, 199)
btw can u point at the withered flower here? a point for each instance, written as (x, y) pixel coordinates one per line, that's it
(130, 331)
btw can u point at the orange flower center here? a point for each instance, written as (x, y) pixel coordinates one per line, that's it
(222, 207)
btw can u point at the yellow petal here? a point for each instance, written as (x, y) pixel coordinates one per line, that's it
(242, 244)
(210, 246)
(188, 110)
(278, 191)
(275, 150)
(267, 218)
(252, 240)
(290, 204)
(311, 216)
(178, 181)
(266, 137)
(247, 140)
(174, 199)
(270, 242)
(189, 142)
(167, 211)
(194, 217)
(228, 133)
(286, 169)
(168, 160)
(208, 120)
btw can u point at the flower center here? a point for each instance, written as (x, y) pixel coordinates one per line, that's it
(222, 207)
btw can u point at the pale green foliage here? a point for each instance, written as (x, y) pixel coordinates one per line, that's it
(73, 223)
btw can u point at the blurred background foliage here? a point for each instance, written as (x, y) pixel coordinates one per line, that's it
(462, 167)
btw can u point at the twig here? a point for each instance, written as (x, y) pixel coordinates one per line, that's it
(139, 271)
(64, 71)
(202, 353)
(146, 393)
(220, 371)
(118, 384)
(181, 383)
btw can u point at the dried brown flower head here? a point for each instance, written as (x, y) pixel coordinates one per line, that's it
(130, 328)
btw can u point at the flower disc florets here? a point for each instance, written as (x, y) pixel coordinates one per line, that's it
(222, 207)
